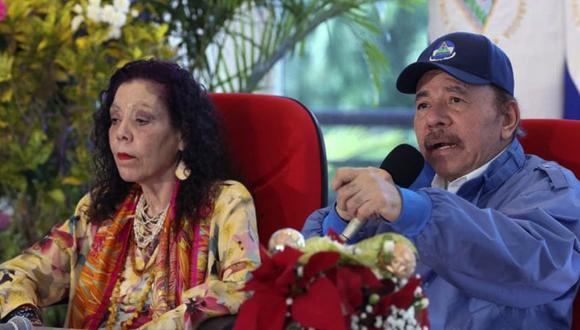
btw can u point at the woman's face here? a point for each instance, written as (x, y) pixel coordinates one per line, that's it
(143, 142)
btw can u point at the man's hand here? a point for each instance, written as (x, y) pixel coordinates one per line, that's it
(366, 193)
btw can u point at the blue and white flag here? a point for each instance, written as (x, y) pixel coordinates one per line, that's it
(541, 37)
(572, 70)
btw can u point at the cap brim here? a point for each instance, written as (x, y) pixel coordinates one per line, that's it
(410, 76)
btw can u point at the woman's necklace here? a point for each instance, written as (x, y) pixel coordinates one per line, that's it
(145, 227)
(116, 294)
(116, 300)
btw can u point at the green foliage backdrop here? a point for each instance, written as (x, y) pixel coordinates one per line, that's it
(50, 79)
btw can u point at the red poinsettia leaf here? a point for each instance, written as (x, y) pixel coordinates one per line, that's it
(287, 257)
(349, 285)
(275, 272)
(423, 318)
(286, 278)
(319, 307)
(387, 285)
(255, 284)
(319, 262)
(405, 296)
(384, 305)
(264, 254)
(265, 271)
(368, 277)
(335, 236)
(264, 310)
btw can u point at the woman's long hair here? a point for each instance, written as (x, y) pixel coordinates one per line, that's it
(192, 114)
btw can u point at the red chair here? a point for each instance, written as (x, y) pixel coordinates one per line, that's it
(276, 145)
(556, 139)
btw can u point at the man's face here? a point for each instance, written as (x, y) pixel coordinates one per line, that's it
(458, 125)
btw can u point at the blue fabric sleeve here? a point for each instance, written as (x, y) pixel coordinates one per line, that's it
(415, 212)
(334, 221)
(313, 224)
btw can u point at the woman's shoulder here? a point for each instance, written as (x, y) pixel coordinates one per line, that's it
(83, 205)
(232, 188)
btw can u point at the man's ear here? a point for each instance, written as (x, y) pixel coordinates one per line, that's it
(510, 119)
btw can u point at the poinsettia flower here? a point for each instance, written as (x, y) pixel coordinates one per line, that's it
(402, 298)
(350, 282)
(345, 290)
(327, 314)
(275, 273)
(264, 310)
(271, 283)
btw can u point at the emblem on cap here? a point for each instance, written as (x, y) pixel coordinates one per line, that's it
(445, 51)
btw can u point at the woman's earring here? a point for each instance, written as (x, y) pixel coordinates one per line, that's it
(182, 172)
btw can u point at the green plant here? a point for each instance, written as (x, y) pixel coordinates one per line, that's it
(232, 45)
(55, 58)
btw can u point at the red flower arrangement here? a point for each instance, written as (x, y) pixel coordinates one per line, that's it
(328, 285)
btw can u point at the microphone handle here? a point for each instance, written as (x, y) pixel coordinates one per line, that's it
(352, 228)
(17, 323)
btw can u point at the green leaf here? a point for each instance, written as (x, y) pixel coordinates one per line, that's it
(57, 195)
(6, 61)
(377, 63)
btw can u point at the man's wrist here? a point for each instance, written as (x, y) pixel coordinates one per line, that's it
(333, 220)
(415, 212)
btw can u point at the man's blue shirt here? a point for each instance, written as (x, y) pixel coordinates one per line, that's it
(502, 253)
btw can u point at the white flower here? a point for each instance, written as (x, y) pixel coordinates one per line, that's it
(418, 291)
(388, 246)
(409, 314)
(114, 17)
(114, 33)
(76, 22)
(122, 5)
(134, 12)
(78, 9)
(94, 10)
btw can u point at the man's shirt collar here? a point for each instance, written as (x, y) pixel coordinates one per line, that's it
(453, 186)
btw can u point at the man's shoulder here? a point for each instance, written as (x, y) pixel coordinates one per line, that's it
(554, 174)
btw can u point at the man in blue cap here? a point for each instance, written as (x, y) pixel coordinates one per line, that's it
(497, 231)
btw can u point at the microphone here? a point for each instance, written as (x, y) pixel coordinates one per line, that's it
(404, 164)
(17, 323)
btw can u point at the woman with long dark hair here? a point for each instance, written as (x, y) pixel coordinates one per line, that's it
(163, 239)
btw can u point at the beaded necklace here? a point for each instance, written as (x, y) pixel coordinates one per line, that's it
(145, 227)
(116, 295)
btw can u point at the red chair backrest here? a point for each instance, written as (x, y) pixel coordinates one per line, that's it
(554, 139)
(557, 140)
(277, 148)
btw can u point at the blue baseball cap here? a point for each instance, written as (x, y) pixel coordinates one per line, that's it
(471, 58)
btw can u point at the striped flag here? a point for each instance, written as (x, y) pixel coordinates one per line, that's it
(572, 70)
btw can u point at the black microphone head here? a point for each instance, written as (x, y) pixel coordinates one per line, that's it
(404, 163)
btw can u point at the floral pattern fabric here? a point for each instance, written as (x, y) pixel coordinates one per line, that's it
(225, 250)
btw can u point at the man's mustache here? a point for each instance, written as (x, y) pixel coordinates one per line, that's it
(434, 138)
